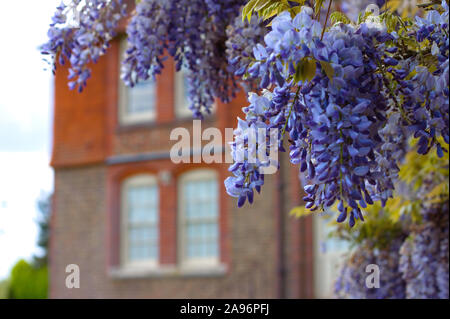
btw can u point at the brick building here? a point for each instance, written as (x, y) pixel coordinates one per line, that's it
(140, 226)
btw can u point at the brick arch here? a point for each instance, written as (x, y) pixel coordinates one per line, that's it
(120, 173)
(184, 168)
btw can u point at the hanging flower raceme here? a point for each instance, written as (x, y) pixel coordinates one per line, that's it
(243, 36)
(425, 256)
(333, 122)
(254, 141)
(85, 41)
(430, 113)
(349, 100)
(147, 31)
(193, 32)
(417, 84)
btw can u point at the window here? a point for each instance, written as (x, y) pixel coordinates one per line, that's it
(140, 221)
(181, 95)
(199, 229)
(137, 104)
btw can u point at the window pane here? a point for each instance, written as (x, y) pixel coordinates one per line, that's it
(201, 228)
(182, 95)
(142, 204)
(141, 98)
(142, 209)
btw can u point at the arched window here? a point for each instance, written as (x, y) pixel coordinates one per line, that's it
(136, 104)
(198, 218)
(139, 211)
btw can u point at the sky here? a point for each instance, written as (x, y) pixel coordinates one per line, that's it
(25, 126)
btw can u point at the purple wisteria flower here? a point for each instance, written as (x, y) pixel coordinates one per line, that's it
(346, 130)
(194, 33)
(86, 42)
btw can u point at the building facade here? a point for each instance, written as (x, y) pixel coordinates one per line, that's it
(139, 225)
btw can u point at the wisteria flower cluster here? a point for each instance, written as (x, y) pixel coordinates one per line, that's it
(346, 129)
(243, 36)
(429, 113)
(351, 282)
(87, 41)
(334, 122)
(194, 33)
(424, 256)
(414, 227)
(418, 85)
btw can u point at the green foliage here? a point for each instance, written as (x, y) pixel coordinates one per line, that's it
(30, 280)
(44, 206)
(378, 230)
(328, 69)
(267, 9)
(363, 16)
(317, 6)
(428, 180)
(27, 282)
(305, 70)
(337, 16)
(300, 211)
(4, 288)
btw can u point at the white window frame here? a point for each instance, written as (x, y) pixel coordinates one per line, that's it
(182, 102)
(136, 181)
(124, 117)
(196, 175)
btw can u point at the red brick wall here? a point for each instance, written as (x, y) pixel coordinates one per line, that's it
(79, 119)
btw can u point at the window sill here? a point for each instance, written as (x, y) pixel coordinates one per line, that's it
(168, 271)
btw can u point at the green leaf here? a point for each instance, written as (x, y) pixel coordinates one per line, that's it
(363, 16)
(298, 71)
(269, 8)
(328, 69)
(318, 5)
(261, 4)
(339, 17)
(300, 211)
(310, 69)
(305, 70)
(248, 9)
